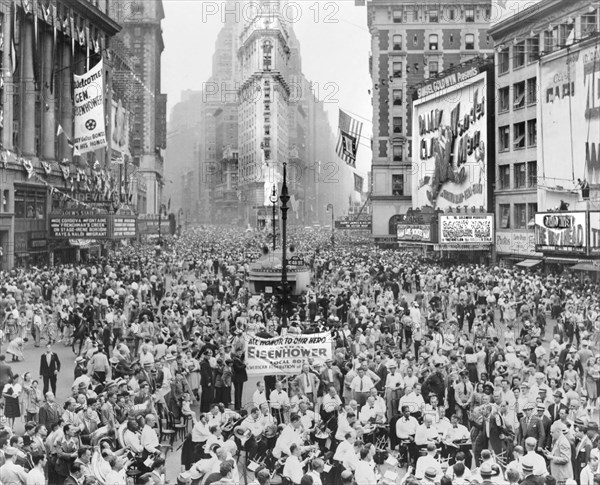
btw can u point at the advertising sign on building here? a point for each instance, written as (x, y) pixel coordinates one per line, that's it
(449, 144)
(363, 224)
(561, 232)
(466, 229)
(512, 242)
(414, 232)
(79, 227)
(88, 95)
(570, 117)
(286, 354)
(107, 226)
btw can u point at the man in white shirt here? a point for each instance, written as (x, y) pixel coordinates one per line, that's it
(414, 400)
(36, 475)
(360, 386)
(291, 434)
(427, 433)
(254, 423)
(260, 396)
(428, 461)
(293, 468)
(331, 402)
(533, 459)
(116, 475)
(406, 428)
(280, 403)
(457, 432)
(346, 446)
(346, 423)
(393, 388)
(149, 438)
(365, 469)
(369, 413)
(307, 416)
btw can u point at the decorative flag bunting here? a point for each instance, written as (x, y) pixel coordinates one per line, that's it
(27, 7)
(358, 183)
(349, 136)
(47, 167)
(28, 166)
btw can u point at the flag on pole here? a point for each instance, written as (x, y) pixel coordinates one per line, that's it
(13, 50)
(60, 130)
(358, 183)
(349, 136)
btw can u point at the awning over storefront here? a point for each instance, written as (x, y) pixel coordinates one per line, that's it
(586, 267)
(529, 263)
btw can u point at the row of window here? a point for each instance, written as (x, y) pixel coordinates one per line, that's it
(434, 41)
(528, 51)
(397, 68)
(434, 15)
(523, 215)
(524, 92)
(524, 136)
(524, 175)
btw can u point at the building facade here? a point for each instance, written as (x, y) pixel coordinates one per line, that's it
(531, 175)
(42, 46)
(411, 42)
(141, 43)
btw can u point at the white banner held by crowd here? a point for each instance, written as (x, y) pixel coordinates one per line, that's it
(286, 355)
(90, 130)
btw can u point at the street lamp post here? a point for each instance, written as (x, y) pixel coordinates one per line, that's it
(273, 199)
(284, 282)
(330, 206)
(160, 211)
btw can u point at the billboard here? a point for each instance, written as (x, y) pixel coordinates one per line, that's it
(594, 243)
(414, 232)
(570, 117)
(466, 229)
(561, 232)
(119, 131)
(513, 242)
(449, 143)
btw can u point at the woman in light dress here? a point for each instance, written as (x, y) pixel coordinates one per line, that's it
(15, 348)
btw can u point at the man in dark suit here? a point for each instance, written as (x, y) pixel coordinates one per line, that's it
(75, 475)
(207, 382)
(49, 368)
(531, 426)
(554, 409)
(546, 423)
(239, 377)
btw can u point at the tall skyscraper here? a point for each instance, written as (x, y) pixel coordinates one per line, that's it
(412, 42)
(142, 42)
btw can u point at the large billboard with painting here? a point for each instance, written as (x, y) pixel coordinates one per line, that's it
(450, 136)
(570, 118)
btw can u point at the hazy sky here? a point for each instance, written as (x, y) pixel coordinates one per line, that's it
(335, 44)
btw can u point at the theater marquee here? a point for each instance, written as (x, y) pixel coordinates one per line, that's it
(561, 232)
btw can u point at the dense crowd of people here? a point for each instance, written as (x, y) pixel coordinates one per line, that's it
(440, 372)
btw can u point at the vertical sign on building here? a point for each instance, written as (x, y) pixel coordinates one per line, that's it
(88, 93)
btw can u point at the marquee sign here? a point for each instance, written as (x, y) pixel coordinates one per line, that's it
(105, 226)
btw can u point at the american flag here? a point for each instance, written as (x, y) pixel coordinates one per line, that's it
(349, 136)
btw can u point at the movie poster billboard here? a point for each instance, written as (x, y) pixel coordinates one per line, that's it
(569, 121)
(466, 229)
(449, 142)
(119, 132)
(561, 232)
(414, 232)
(88, 95)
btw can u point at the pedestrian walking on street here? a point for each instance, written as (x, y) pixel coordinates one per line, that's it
(49, 369)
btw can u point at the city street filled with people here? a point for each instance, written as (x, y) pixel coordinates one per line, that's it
(124, 369)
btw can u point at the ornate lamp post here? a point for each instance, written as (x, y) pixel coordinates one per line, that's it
(284, 282)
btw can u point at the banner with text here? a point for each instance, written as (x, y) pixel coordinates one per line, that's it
(512, 242)
(414, 232)
(561, 232)
(88, 93)
(449, 146)
(287, 354)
